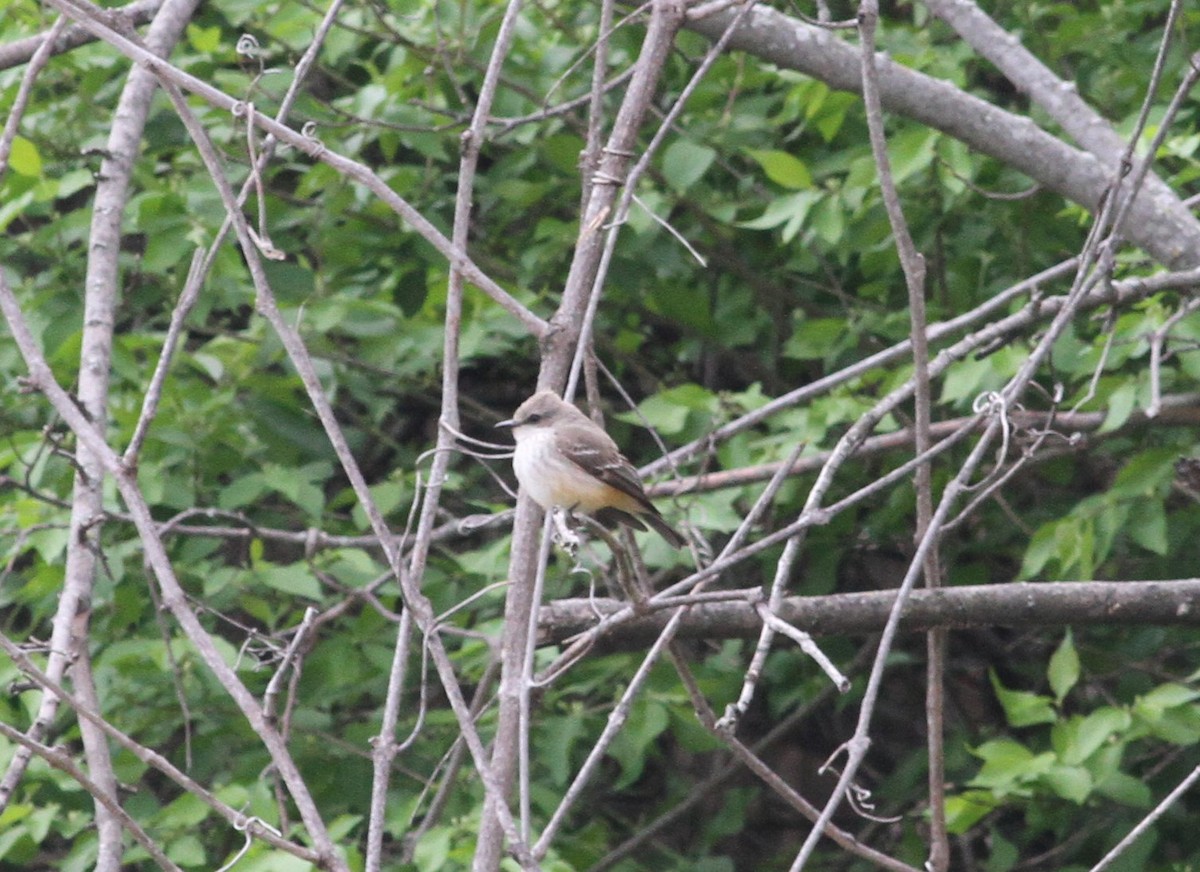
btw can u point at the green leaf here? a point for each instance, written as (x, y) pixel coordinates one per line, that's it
(684, 162)
(667, 411)
(1063, 671)
(204, 39)
(1069, 782)
(243, 491)
(791, 209)
(1076, 739)
(343, 825)
(186, 851)
(186, 811)
(1125, 789)
(828, 221)
(1077, 547)
(560, 737)
(294, 580)
(1008, 766)
(1002, 855)
(782, 168)
(300, 485)
(647, 720)
(830, 114)
(966, 809)
(911, 151)
(433, 850)
(1121, 403)
(681, 304)
(1167, 696)
(1021, 708)
(1170, 713)
(966, 379)
(74, 181)
(817, 338)
(1041, 550)
(12, 207)
(1145, 473)
(1148, 527)
(24, 158)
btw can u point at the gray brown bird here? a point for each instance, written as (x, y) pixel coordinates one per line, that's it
(565, 459)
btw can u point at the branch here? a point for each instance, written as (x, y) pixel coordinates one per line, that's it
(1060, 99)
(21, 51)
(42, 378)
(1038, 309)
(153, 758)
(1148, 821)
(92, 18)
(62, 761)
(491, 840)
(1013, 604)
(1179, 410)
(527, 561)
(1161, 225)
(69, 635)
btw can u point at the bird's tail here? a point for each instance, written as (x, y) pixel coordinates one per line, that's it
(660, 525)
(609, 515)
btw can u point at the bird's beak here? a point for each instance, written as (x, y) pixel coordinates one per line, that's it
(505, 425)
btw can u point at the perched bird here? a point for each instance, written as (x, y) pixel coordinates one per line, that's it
(565, 459)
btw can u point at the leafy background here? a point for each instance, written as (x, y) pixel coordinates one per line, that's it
(1057, 740)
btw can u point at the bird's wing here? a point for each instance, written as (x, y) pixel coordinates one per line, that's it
(601, 458)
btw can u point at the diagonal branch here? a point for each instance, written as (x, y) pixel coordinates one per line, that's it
(42, 378)
(21, 51)
(92, 18)
(1158, 221)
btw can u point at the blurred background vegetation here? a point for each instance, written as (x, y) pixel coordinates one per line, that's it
(1057, 741)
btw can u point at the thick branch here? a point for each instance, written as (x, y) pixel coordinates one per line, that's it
(1158, 222)
(1016, 604)
(1060, 99)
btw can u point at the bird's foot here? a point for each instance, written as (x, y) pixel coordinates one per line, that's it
(562, 533)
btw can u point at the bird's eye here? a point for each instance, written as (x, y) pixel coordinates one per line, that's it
(532, 418)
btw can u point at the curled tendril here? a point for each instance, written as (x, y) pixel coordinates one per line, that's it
(989, 401)
(242, 825)
(247, 46)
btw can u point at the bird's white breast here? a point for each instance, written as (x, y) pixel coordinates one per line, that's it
(550, 478)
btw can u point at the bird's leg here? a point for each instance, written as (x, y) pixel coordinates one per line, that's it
(567, 538)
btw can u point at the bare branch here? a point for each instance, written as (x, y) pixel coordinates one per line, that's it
(21, 51)
(92, 19)
(1148, 821)
(1160, 225)
(151, 757)
(1015, 604)
(36, 63)
(61, 761)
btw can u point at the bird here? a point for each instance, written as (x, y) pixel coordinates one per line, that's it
(564, 459)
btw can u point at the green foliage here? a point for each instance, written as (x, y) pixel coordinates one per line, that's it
(768, 175)
(1059, 750)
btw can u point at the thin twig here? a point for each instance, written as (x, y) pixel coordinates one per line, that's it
(91, 19)
(147, 755)
(1148, 821)
(913, 265)
(40, 57)
(61, 761)
(298, 353)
